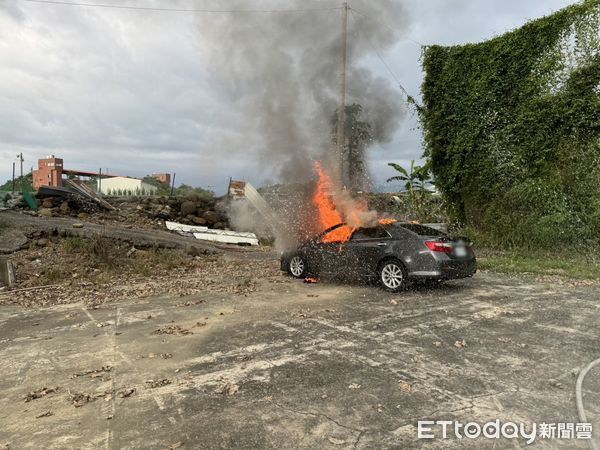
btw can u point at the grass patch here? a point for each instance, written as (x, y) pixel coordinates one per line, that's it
(76, 245)
(111, 256)
(99, 248)
(145, 263)
(578, 266)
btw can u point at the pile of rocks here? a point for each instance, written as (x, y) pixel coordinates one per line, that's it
(9, 200)
(70, 205)
(191, 210)
(142, 211)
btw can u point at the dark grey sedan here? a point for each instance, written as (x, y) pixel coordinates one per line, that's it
(393, 254)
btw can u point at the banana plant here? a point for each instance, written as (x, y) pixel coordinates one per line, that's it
(415, 182)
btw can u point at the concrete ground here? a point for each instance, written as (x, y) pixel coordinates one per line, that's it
(299, 366)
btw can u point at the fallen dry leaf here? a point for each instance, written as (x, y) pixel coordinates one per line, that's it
(93, 373)
(82, 398)
(127, 392)
(336, 441)
(176, 330)
(460, 344)
(158, 383)
(227, 388)
(405, 387)
(39, 393)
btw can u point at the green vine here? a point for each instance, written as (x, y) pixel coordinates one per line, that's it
(512, 129)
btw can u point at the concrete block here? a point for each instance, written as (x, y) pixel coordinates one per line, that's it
(7, 272)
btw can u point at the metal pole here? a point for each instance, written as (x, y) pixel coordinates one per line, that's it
(13, 179)
(100, 182)
(173, 184)
(342, 107)
(20, 156)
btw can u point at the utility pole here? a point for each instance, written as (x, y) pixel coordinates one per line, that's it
(173, 184)
(342, 107)
(20, 158)
(13, 179)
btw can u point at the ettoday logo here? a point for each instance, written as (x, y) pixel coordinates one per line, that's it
(445, 429)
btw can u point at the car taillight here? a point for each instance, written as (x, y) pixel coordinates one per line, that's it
(436, 246)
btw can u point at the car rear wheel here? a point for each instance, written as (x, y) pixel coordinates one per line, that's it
(297, 266)
(392, 275)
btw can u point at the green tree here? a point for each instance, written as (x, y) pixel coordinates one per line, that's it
(358, 136)
(185, 190)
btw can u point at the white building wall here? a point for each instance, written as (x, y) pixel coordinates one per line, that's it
(126, 186)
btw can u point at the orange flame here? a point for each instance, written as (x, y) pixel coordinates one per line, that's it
(329, 214)
(327, 210)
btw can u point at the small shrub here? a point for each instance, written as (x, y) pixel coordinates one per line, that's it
(74, 244)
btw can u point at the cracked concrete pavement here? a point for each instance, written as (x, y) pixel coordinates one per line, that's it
(300, 366)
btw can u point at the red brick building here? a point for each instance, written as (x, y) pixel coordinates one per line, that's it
(163, 177)
(49, 172)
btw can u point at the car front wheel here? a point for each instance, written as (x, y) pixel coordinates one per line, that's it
(392, 275)
(297, 266)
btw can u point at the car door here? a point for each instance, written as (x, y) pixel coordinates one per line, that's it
(366, 248)
(329, 254)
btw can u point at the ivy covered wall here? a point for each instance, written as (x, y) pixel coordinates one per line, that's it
(512, 127)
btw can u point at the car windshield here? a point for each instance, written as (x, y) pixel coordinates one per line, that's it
(421, 230)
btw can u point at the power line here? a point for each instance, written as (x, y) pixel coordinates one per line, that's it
(383, 24)
(192, 10)
(387, 66)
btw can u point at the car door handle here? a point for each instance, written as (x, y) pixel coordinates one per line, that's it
(381, 244)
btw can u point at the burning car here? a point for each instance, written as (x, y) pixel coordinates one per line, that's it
(391, 252)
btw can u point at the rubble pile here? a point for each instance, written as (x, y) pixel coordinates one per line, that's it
(190, 210)
(71, 205)
(139, 212)
(9, 200)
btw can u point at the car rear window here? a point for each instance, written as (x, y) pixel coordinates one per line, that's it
(421, 230)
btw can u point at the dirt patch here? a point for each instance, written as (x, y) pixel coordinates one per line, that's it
(100, 270)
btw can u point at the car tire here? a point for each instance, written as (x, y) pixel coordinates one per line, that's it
(296, 266)
(392, 275)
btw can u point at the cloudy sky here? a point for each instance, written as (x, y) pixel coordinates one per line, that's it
(140, 91)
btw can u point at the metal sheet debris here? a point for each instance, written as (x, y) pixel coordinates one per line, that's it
(85, 191)
(208, 234)
(228, 237)
(184, 229)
